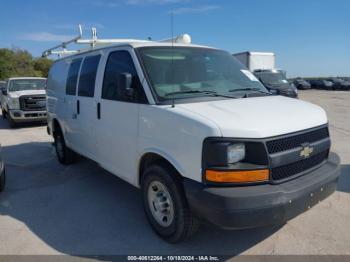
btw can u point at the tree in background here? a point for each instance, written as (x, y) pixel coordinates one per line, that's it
(19, 62)
(42, 65)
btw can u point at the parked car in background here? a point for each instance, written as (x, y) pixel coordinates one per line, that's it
(24, 100)
(321, 84)
(2, 86)
(262, 65)
(301, 84)
(2, 173)
(276, 82)
(339, 84)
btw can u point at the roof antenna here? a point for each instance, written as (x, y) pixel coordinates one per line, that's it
(172, 52)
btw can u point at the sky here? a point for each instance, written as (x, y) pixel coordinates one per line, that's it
(309, 37)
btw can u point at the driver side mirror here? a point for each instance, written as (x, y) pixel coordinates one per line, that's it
(4, 91)
(125, 85)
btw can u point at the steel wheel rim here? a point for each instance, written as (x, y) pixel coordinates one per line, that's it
(160, 203)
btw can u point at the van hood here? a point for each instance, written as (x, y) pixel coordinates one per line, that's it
(26, 92)
(259, 117)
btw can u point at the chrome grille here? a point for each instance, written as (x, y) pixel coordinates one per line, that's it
(33, 103)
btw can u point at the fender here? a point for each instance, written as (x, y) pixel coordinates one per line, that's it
(161, 153)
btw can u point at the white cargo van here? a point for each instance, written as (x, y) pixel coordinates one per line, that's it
(195, 131)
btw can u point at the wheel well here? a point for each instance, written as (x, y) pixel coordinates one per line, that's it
(152, 159)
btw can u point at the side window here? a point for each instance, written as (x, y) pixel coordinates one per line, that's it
(88, 76)
(72, 79)
(120, 62)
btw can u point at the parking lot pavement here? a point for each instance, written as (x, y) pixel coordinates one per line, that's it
(82, 210)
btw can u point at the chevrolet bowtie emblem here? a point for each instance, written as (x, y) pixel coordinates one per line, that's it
(306, 152)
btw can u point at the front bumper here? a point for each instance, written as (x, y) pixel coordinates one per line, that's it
(27, 116)
(266, 204)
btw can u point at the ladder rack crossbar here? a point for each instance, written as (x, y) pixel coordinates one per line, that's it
(94, 41)
(63, 44)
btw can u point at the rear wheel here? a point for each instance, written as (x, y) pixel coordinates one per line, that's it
(2, 181)
(64, 154)
(165, 204)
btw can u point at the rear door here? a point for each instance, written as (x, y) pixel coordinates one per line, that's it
(70, 103)
(86, 106)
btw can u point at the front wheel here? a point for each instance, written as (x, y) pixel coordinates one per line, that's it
(165, 204)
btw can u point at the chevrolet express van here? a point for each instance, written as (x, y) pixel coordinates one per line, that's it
(194, 130)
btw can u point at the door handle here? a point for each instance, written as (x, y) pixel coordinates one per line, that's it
(98, 110)
(78, 107)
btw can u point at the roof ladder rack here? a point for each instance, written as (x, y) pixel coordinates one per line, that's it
(94, 41)
(51, 51)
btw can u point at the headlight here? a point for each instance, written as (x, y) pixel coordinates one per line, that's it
(227, 160)
(14, 103)
(235, 153)
(222, 153)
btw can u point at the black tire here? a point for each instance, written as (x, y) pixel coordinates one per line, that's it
(2, 181)
(11, 122)
(183, 224)
(3, 112)
(64, 154)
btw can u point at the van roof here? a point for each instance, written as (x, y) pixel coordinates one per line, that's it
(134, 44)
(152, 43)
(24, 77)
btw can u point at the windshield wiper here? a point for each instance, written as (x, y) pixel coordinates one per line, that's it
(249, 89)
(206, 92)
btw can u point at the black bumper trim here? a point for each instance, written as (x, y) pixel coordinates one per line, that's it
(263, 205)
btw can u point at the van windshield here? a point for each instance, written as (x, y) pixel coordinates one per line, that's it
(183, 72)
(27, 84)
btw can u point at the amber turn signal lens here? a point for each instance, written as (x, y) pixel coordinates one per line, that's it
(237, 176)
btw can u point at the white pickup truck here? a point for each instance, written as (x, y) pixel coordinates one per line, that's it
(23, 99)
(194, 130)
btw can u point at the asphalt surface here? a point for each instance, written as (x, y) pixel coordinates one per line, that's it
(83, 210)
